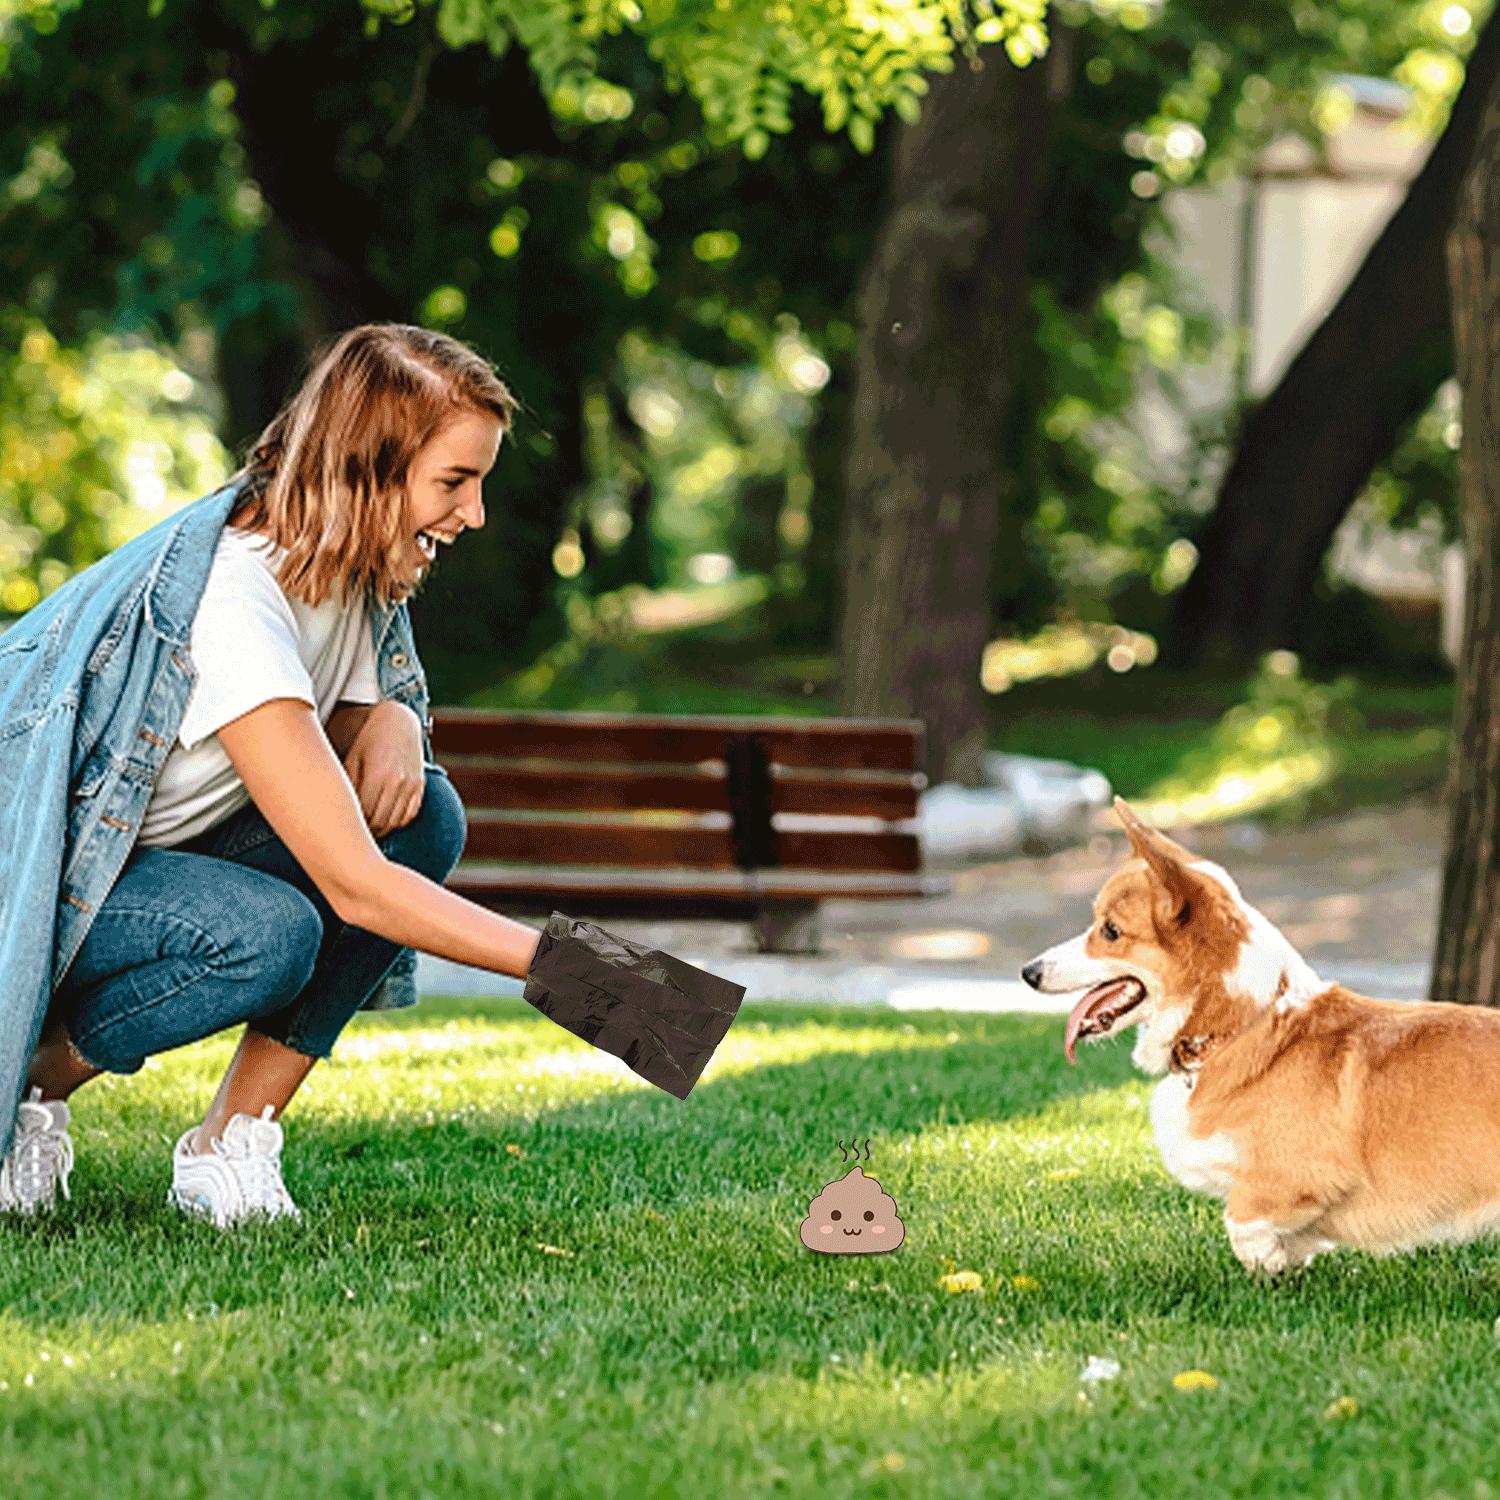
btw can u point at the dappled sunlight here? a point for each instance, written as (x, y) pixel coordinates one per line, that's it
(858, 1397)
(1237, 790)
(747, 1047)
(524, 1045)
(133, 1355)
(657, 611)
(1076, 1135)
(470, 1070)
(1276, 746)
(370, 1042)
(1063, 650)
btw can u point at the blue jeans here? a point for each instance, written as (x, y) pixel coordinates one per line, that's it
(228, 928)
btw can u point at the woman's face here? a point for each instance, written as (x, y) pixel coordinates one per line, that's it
(445, 481)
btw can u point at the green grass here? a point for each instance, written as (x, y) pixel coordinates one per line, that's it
(412, 1337)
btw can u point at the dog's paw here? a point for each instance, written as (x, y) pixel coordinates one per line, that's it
(1267, 1267)
(1302, 1248)
(1259, 1246)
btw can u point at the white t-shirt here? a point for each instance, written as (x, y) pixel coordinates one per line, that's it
(251, 642)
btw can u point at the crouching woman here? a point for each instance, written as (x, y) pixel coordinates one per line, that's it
(297, 835)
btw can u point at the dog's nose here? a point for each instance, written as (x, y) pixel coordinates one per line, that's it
(1032, 973)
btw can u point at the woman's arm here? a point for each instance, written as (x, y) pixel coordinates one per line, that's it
(405, 906)
(348, 719)
(285, 760)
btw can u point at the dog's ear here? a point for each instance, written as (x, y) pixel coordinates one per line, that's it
(1169, 861)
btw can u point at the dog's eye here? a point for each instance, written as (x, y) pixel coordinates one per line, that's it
(869, 1213)
(1111, 932)
(835, 1215)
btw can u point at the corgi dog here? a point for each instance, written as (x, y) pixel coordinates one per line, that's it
(1321, 1117)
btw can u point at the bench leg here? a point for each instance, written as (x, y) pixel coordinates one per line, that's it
(788, 929)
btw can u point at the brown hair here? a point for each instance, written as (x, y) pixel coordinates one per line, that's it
(327, 478)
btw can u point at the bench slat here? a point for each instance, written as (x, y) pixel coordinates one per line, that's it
(598, 841)
(862, 744)
(484, 785)
(499, 883)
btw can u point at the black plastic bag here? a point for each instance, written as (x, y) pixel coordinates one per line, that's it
(661, 1016)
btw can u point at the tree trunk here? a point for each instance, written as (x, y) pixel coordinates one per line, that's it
(1305, 452)
(1467, 963)
(941, 304)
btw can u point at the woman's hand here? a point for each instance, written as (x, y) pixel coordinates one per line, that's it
(386, 766)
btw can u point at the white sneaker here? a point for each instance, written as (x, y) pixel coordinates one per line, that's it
(238, 1178)
(40, 1157)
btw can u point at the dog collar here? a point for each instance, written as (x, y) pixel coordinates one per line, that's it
(1188, 1053)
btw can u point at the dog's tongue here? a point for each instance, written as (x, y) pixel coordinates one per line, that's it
(1096, 999)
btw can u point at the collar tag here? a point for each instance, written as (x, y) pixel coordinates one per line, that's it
(1188, 1053)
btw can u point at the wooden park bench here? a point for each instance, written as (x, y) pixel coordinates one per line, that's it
(685, 816)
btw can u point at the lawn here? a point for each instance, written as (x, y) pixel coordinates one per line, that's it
(523, 1272)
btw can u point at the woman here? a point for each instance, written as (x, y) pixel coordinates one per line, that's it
(296, 834)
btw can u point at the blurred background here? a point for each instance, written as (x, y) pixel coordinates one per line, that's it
(1079, 382)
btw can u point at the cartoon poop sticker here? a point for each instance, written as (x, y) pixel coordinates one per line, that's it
(853, 1216)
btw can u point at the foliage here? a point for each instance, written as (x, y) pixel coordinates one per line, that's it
(1170, 99)
(740, 59)
(709, 436)
(557, 243)
(92, 442)
(616, 215)
(1418, 485)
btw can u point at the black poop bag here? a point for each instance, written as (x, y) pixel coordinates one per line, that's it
(661, 1016)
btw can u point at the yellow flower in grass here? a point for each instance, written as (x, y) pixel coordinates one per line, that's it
(1195, 1380)
(961, 1281)
(1343, 1406)
(1026, 1283)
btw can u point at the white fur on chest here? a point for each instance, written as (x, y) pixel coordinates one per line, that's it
(1203, 1163)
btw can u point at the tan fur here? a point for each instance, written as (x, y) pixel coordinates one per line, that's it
(1339, 1120)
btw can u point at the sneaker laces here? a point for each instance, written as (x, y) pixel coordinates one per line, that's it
(262, 1181)
(41, 1155)
(254, 1147)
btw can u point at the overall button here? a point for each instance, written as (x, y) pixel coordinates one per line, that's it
(399, 659)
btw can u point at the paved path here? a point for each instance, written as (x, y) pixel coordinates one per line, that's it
(1357, 894)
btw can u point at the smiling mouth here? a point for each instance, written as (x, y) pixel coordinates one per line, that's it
(427, 542)
(1101, 1009)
